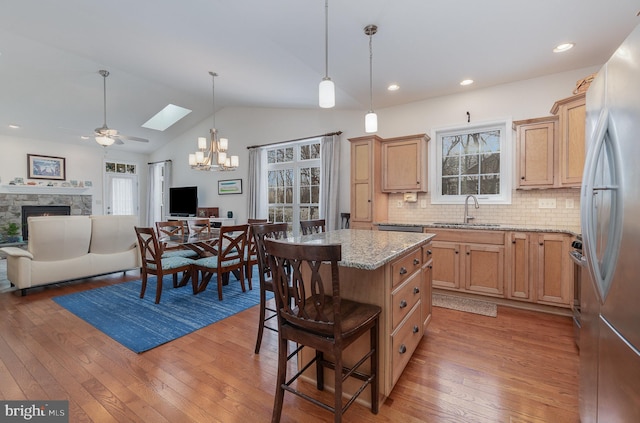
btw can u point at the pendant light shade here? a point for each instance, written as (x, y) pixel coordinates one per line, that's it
(370, 119)
(326, 89)
(370, 122)
(327, 93)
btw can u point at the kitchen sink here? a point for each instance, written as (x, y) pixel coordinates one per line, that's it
(491, 225)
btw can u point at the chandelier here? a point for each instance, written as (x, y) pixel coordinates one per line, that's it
(213, 157)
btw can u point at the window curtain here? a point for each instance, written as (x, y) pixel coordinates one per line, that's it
(257, 191)
(159, 180)
(330, 168)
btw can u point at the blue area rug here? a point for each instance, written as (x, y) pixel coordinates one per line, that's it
(140, 324)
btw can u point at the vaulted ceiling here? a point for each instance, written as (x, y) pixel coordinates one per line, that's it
(271, 54)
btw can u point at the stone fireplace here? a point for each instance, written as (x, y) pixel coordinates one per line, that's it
(42, 201)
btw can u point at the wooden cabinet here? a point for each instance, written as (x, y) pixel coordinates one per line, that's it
(468, 260)
(427, 272)
(520, 278)
(554, 269)
(535, 152)
(406, 310)
(368, 202)
(551, 150)
(571, 139)
(404, 164)
(540, 270)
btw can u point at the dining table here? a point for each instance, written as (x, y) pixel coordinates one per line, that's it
(203, 243)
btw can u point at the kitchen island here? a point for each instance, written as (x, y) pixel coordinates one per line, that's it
(393, 271)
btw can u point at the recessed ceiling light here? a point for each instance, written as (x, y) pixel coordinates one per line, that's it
(563, 47)
(393, 87)
(166, 117)
(14, 126)
(466, 82)
(84, 137)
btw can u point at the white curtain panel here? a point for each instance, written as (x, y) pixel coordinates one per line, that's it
(330, 168)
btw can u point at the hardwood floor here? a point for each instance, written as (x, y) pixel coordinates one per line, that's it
(521, 367)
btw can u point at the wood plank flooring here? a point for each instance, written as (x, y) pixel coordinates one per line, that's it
(521, 367)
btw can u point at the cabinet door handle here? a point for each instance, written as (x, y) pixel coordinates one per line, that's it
(429, 252)
(513, 242)
(402, 349)
(522, 177)
(403, 271)
(457, 251)
(468, 253)
(416, 290)
(403, 303)
(416, 261)
(415, 329)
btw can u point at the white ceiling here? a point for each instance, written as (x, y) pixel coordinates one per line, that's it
(271, 54)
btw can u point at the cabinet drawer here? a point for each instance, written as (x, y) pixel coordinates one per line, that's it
(404, 298)
(404, 342)
(406, 266)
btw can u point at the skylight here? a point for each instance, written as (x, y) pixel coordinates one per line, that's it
(166, 117)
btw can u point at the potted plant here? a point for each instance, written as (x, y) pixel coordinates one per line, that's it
(12, 232)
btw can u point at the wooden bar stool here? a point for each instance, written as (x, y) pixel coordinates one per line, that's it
(312, 226)
(323, 321)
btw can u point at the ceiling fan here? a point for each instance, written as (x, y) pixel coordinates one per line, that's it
(105, 136)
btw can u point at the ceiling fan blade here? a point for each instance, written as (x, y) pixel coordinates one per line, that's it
(130, 138)
(118, 141)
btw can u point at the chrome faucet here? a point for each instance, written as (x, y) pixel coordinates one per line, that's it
(467, 218)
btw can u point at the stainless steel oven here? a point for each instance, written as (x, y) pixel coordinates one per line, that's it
(578, 265)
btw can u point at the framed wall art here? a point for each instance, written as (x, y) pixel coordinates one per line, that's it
(230, 186)
(46, 167)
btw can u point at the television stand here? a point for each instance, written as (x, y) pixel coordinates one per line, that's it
(180, 215)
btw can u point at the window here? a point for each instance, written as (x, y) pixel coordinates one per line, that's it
(476, 160)
(293, 176)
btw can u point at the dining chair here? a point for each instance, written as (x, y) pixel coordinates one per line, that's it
(250, 257)
(199, 226)
(153, 263)
(260, 232)
(226, 255)
(175, 228)
(312, 226)
(323, 321)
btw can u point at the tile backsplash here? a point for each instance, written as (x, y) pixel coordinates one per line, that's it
(523, 210)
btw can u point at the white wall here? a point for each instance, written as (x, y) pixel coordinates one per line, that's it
(83, 163)
(256, 126)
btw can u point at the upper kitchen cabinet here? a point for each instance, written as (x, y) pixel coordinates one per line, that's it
(571, 139)
(404, 164)
(551, 150)
(368, 202)
(535, 152)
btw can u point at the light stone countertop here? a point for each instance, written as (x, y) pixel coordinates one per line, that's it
(366, 249)
(488, 226)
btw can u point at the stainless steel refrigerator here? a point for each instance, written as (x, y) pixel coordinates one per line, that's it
(610, 220)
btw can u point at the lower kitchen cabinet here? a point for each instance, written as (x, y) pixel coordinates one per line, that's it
(555, 269)
(540, 270)
(471, 261)
(524, 266)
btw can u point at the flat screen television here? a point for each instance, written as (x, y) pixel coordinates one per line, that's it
(183, 201)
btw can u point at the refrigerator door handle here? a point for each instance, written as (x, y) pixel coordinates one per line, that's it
(602, 152)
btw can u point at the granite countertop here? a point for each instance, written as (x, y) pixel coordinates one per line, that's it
(366, 249)
(574, 230)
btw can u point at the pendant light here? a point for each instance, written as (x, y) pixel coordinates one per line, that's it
(327, 89)
(370, 119)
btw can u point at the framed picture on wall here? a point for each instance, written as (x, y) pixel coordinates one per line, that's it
(46, 167)
(230, 186)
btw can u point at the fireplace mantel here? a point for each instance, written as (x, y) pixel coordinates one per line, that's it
(41, 189)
